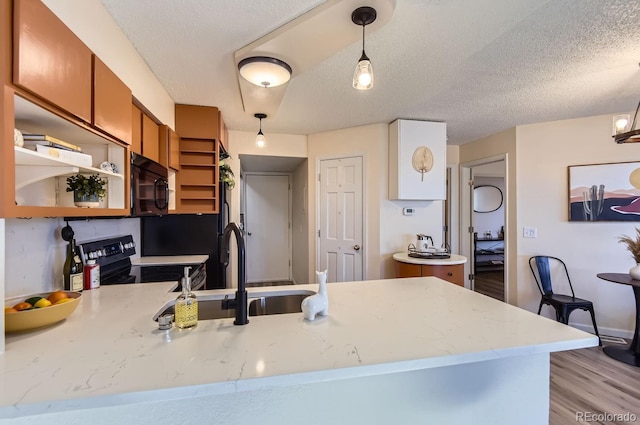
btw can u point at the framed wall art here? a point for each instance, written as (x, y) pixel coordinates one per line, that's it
(604, 192)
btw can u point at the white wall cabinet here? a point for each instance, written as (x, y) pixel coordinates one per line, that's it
(417, 160)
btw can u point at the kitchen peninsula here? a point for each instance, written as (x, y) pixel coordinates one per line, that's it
(416, 350)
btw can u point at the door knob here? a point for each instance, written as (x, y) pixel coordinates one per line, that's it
(356, 247)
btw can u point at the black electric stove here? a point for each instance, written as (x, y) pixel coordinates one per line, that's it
(113, 256)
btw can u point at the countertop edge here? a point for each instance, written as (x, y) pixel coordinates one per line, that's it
(162, 260)
(311, 377)
(453, 260)
(353, 307)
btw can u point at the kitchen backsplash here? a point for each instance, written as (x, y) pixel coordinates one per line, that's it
(35, 251)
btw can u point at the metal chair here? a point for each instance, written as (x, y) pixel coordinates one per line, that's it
(564, 305)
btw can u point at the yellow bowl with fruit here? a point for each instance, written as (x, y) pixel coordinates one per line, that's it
(39, 310)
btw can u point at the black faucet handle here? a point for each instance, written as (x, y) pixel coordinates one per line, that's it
(228, 304)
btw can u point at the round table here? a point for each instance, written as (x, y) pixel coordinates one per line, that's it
(630, 354)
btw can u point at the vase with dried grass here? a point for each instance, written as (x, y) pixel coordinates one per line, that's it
(633, 245)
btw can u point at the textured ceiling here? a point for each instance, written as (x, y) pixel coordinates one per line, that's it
(481, 66)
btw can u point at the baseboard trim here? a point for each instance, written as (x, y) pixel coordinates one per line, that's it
(621, 333)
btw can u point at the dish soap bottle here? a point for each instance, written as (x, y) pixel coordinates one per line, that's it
(186, 306)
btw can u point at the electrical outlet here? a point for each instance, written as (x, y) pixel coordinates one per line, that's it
(408, 211)
(530, 232)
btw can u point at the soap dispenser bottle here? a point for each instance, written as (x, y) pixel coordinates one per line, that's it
(186, 306)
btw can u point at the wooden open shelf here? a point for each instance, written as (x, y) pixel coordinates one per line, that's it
(198, 178)
(32, 166)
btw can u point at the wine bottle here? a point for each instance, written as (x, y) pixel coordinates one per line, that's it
(72, 270)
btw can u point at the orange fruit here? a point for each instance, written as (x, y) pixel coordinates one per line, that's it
(54, 297)
(10, 310)
(62, 301)
(22, 306)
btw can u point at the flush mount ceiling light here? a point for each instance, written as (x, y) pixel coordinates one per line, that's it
(363, 75)
(261, 142)
(264, 71)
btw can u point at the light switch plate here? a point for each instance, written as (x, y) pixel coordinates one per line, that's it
(530, 232)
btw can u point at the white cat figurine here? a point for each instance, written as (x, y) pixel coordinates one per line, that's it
(318, 303)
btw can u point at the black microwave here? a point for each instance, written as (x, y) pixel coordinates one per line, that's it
(149, 187)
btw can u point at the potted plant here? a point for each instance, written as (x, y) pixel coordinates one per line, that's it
(633, 245)
(226, 173)
(87, 190)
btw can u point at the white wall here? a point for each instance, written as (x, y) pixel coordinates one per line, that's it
(387, 231)
(300, 224)
(544, 152)
(36, 252)
(244, 143)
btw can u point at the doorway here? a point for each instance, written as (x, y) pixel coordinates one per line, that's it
(267, 224)
(341, 230)
(483, 213)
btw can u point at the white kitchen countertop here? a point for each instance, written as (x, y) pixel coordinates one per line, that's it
(453, 260)
(165, 260)
(110, 352)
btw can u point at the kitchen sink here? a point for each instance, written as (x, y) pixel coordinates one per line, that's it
(277, 304)
(211, 307)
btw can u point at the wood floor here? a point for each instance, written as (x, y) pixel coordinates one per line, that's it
(587, 380)
(490, 283)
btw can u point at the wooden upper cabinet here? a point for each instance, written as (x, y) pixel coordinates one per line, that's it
(197, 182)
(6, 40)
(169, 148)
(174, 150)
(50, 60)
(150, 138)
(136, 129)
(111, 100)
(223, 132)
(197, 122)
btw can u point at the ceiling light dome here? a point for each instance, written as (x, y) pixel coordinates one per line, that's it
(264, 71)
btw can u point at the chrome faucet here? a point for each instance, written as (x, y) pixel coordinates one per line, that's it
(240, 302)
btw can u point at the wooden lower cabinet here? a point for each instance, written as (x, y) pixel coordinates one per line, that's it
(451, 273)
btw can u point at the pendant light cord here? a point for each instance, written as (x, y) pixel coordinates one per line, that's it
(363, 25)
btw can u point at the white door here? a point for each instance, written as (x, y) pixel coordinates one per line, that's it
(267, 228)
(341, 223)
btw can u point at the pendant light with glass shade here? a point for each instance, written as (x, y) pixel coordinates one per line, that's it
(363, 75)
(261, 142)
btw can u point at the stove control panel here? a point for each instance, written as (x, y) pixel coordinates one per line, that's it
(108, 251)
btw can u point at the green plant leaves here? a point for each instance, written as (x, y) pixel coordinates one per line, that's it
(87, 185)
